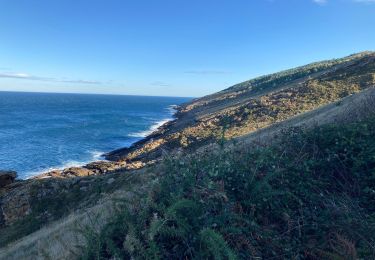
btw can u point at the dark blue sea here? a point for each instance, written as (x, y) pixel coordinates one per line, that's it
(43, 131)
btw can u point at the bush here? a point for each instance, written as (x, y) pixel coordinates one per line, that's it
(310, 196)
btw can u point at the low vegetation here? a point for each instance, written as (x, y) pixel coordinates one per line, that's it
(259, 103)
(53, 199)
(273, 81)
(309, 196)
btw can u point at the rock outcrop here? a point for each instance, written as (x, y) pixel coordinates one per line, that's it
(103, 167)
(7, 177)
(94, 168)
(76, 172)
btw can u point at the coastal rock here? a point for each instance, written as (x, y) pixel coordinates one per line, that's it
(94, 168)
(76, 172)
(136, 165)
(7, 177)
(101, 167)
(55, 174)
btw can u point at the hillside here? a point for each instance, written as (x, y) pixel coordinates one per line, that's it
(308, 196)
(279, 167)
(255, 104)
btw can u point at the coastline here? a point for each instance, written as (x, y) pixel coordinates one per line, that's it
(96, 156)
(104, 165)
(157, 132)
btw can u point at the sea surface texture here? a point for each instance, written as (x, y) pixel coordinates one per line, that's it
(41, 132)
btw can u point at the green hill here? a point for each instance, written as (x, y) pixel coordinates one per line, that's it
(256, 104)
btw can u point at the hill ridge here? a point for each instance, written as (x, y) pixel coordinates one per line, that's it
(201, 120)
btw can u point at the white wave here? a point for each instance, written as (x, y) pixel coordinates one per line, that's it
(98, 155)
(171, 109)
(95, 156)
(152, 129)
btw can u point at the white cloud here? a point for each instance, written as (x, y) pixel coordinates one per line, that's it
(13, 75)
(81, 81)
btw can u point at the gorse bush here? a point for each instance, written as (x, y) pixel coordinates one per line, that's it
(309, 196)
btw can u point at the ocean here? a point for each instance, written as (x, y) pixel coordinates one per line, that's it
(40, 132)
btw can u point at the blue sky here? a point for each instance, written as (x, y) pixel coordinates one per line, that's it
(171, 47)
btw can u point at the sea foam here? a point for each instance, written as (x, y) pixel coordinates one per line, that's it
(152, 129)
(94, 156)
(171, 109)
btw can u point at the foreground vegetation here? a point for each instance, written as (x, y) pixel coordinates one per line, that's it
(53, 199)
(310, 196)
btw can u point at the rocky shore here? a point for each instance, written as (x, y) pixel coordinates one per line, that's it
(91, 169)
(114, 162)
(17, 196)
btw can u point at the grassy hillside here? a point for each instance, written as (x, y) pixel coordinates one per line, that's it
(256, 104)
(309, 196)
(274, 81)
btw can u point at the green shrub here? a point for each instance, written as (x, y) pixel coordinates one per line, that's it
(309, 196)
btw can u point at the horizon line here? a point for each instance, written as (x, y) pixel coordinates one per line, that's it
(81, 93)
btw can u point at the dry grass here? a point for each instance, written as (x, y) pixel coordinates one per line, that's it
(64, 238)
(358, 106)
(355, 107)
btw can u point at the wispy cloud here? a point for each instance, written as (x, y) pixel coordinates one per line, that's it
(25, 76)
(320, 2)
(81, 81)
(160, 84)
(206, 72)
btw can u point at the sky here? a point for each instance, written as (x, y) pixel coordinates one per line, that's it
(171, 47)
